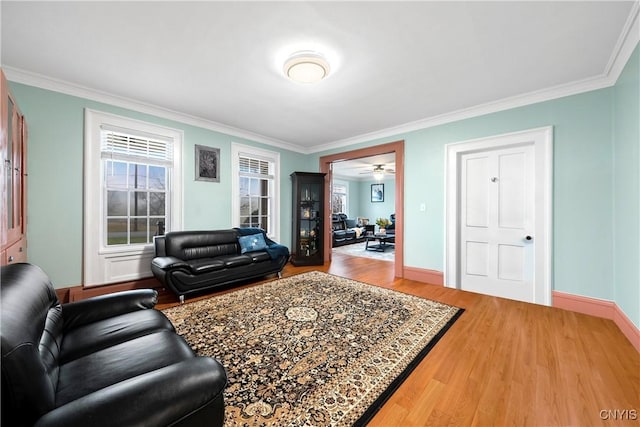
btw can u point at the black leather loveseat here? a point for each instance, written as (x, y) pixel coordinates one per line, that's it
(344, 231)
(188, 262)
(111, 360)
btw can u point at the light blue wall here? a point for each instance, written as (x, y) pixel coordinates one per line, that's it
(582, 185)
(55, 168)
(626, 194)
(374, 210)
(355, 205)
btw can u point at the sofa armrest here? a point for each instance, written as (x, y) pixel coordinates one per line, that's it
(157, 398)
(159, 245)
(90, 310)
(168, 262)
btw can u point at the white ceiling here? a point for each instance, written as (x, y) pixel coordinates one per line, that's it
(394, 65)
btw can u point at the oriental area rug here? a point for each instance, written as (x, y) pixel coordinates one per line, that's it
(312, 349)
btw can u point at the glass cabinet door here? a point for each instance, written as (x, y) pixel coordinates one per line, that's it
(12, 159)
(307, 218)
(8, 160)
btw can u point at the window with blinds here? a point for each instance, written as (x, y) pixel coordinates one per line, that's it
(256, 178)
(132, 190)
(135, 186)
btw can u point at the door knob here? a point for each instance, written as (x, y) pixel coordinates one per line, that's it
(528, 238)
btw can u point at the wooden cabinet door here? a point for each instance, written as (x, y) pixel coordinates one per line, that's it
(12, 152)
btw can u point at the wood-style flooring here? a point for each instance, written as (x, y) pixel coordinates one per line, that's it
(506, 363)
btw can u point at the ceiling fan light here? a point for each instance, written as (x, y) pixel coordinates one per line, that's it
(306, 67)
(378, 175)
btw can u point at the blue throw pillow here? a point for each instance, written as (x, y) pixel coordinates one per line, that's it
(252, 242)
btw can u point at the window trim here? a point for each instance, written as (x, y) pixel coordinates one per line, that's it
(103, 264)
(272, 156)
(344, 184)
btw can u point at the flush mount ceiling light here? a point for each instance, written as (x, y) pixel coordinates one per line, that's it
(306, 67)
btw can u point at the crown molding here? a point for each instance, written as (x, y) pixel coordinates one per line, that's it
(627, 41)
(365, 178)
(478, 110)
(44, 82)
(346, 178)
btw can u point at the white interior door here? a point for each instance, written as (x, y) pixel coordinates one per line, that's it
(499, 216)
(496, 227)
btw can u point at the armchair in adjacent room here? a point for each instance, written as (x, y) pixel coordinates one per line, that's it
(391, 229)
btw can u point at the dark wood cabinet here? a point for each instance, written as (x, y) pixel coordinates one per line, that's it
(307, 222)
(13, 146)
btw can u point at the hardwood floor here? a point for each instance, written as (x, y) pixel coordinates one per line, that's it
(506, 362)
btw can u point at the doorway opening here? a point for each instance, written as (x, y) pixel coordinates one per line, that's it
(396, 151)
(362, 198)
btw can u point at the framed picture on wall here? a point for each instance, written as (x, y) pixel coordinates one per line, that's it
(207, 163)
(377, 193)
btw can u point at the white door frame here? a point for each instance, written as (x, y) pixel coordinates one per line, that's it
(542, 139)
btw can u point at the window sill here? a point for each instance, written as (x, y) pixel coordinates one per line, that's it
(127, 250)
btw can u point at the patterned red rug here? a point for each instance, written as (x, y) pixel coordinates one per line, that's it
(312, 349)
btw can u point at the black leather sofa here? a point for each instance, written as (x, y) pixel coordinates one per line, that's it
(344, 231)
(189, 262)
(111, 360)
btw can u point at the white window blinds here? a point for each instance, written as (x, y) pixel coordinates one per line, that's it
(253, 167)
(119, 145)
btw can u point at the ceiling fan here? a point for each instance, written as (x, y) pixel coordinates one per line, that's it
(379, 171)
